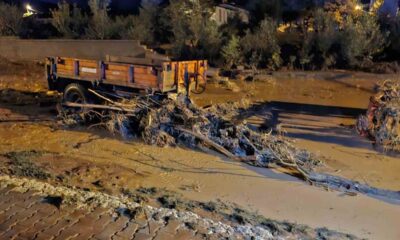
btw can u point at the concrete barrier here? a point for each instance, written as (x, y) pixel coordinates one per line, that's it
(20, 49)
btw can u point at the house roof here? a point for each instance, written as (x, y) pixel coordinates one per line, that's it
(232, 7)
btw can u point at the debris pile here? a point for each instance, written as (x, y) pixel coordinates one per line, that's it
(382, 121)
(168, 122)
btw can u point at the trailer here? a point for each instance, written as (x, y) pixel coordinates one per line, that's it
(123, 76)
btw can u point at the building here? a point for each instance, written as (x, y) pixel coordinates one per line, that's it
(225, 11)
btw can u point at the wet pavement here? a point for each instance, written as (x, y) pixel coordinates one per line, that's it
(27, 216)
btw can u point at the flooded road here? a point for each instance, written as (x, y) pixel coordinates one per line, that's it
(204, 177)
(319, 111)
(315, 109)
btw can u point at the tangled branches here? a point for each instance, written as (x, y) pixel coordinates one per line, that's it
(382, 122)
(166, 122)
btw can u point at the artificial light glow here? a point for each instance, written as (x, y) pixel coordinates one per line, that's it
(29, 8)
(358, 7)
(29, 11)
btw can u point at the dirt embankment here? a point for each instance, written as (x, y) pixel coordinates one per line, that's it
(316, 109)
(22, 76)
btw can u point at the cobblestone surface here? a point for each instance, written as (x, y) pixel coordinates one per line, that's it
(26, 216)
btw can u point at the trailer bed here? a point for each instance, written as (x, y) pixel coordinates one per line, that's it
(161, 76)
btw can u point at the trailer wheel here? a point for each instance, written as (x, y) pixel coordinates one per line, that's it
(75, 93)
(199, 85)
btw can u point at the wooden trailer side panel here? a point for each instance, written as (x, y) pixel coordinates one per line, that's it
(190, 70)
(115, 74)
(170, 76)
(65, 67)
(146, 76)
(120, 74)
(77, 69)
(89, 69)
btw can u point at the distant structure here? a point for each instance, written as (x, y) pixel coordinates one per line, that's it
(389, 8)
(225, 11)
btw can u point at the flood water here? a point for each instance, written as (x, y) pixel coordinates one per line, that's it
(317, 110)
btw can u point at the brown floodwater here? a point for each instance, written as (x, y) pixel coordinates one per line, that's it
(315, 109)
(318, 110)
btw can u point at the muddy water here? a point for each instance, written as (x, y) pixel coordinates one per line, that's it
(203, 176)
(313, 109)
(319, 111)
(345, 89)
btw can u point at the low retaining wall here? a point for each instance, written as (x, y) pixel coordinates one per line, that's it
(20, 49)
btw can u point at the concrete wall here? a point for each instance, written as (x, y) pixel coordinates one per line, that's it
(17, 49)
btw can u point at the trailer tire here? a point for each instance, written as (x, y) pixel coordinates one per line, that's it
(75, 93)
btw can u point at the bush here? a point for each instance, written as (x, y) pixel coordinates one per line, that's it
(231, 52)
(70, 23)
(10, 20)
(261, 45)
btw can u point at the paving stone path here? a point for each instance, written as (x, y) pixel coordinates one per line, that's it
(25, 216)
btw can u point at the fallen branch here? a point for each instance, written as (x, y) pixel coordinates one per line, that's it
(98, 106)
(103, 97)
(165, 122)
(217, 147)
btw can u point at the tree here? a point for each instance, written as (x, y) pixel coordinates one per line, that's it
(341, 9)
(10, 20)
(262, 44)
(260, 9)
(234, 26)
(231, 52)
(70, 23)
(144, 26)
(305, 53)
(194, 35)
(101, 26)
(361, 39)
(325, 36)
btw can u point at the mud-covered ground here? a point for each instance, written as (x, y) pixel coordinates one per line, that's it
(318, 110)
